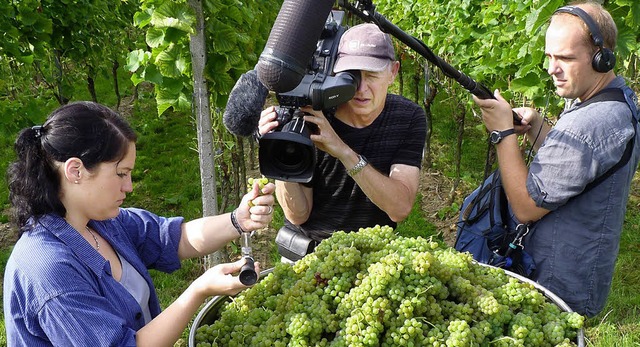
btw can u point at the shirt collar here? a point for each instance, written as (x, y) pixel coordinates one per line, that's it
(63, 231)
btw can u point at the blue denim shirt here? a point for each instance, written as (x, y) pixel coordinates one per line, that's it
(575, 246)
(59, 291)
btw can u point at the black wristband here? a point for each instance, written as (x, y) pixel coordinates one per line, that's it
(234, 222)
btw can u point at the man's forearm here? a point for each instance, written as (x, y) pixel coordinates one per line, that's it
(514, 179)
(394, 194)
(295, 200)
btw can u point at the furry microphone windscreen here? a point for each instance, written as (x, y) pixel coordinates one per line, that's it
(245, 104)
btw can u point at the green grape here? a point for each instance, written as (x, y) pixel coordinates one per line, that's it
(460, 334)
(262, 181)
(574, 320)
(554, 332)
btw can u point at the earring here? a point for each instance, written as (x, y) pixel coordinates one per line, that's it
(76, 182)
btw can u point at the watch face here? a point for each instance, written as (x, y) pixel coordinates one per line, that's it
(495, 137)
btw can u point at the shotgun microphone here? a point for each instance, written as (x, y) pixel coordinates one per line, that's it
(292, 42)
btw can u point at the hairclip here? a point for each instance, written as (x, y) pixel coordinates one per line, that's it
(38, 130)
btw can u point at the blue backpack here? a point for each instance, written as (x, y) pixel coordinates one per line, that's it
(489, 231)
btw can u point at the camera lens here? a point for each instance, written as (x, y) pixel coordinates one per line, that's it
(291, 157)
(288, 154)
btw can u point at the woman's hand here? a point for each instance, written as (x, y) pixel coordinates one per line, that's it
(257, 214)
(219, 280)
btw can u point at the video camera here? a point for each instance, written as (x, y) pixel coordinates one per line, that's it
(288, 154)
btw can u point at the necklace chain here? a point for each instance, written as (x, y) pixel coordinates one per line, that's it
(97, 247)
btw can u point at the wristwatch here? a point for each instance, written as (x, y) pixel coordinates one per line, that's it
(362, 162)
(497, 136)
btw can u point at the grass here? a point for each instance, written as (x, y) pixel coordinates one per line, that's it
(167, 182)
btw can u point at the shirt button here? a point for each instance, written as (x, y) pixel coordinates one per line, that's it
(138, 315)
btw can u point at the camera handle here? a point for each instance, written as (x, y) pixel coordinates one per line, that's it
(248, 275)
(366, 11)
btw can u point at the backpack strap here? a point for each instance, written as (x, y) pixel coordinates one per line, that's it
(607, 94)
(613, 94)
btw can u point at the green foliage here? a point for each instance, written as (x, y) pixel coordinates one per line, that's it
(500, 43)
(64, 41)
(497, 42)
(235, 32)
(166, 178)
(25, 28)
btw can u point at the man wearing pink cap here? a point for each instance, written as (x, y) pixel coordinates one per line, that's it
(369, 151)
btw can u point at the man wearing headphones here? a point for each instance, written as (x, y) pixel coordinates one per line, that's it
(574, 238)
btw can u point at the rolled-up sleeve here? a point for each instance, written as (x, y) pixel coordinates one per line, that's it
(560, 169)
(156, 238)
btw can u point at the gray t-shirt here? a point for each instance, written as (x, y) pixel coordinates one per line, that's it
(575, 246)
(136, 286)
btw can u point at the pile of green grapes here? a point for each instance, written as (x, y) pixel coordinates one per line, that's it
(375, 288)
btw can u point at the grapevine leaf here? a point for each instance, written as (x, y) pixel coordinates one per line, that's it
(627, 41)
(151, 74)
(527, 84)
(155, 37)
(174, 15)
(234, 13)
(175, 35)
(135, 59)
(168, 94)
(213, 6)
(184, 102)
(136, 78)
(142, 18)
(170, 62)
(635, 14)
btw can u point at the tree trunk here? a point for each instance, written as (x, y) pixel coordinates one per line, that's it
(203, 116)
(460, 115)
(116, 87)
(430, 91)
(59, 91)
(91, 85)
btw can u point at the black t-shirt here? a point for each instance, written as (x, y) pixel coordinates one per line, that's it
(397, 136)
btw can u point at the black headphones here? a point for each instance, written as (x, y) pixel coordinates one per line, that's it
(604, 59)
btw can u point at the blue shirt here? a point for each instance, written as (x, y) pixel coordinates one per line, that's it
(59, 291)
(575, 246)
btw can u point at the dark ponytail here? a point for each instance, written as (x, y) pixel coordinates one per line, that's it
(86, 130)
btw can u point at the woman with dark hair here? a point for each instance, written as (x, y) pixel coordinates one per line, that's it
(78, 275)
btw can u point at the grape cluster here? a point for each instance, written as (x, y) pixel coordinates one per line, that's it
(375, 288)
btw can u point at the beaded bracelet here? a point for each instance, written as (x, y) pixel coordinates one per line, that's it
(234, 222)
